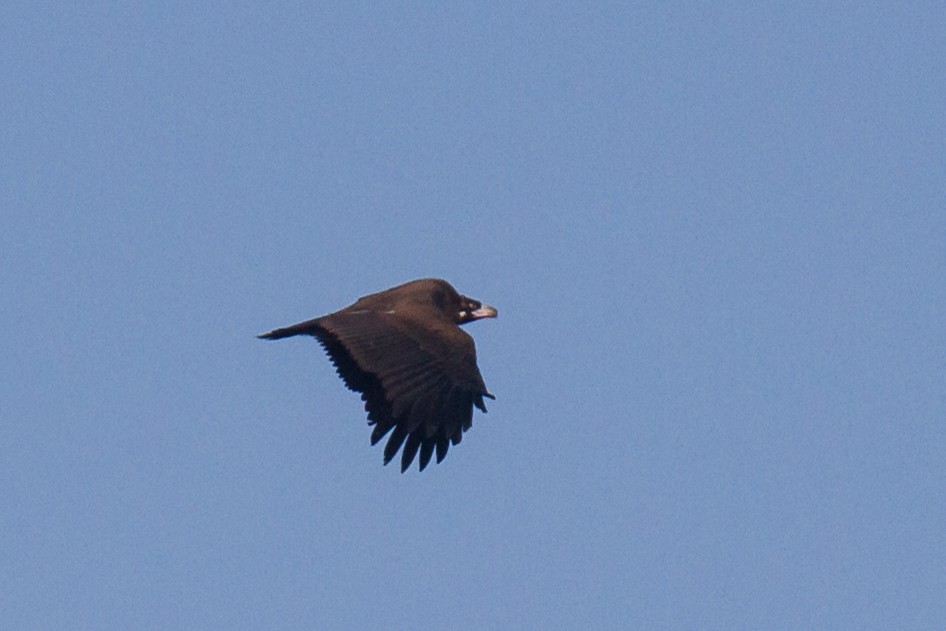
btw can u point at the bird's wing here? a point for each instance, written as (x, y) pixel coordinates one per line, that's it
(416, 378)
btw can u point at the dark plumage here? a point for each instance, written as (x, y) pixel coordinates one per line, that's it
(403, 350)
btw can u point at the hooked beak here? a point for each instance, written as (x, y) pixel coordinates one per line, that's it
(485, 311)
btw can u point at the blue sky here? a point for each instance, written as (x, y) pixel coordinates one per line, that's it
(715, 233)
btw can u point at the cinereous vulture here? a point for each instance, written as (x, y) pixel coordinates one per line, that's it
(404, 351)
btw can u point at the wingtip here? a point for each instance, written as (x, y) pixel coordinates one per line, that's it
(275, 334)
(309, 327)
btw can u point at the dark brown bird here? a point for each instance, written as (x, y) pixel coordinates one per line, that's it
(404, 351)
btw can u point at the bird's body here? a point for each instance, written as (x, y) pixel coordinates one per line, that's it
(404, 351)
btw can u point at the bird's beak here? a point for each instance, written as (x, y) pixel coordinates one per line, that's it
(485, 311)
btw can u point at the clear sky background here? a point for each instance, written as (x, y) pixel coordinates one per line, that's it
(715, 234)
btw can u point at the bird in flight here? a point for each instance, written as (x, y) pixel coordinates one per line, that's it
(404, 351)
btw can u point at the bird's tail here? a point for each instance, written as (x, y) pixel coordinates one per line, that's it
(303, 328)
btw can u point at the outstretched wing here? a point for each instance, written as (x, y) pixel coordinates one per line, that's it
(420, 387)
